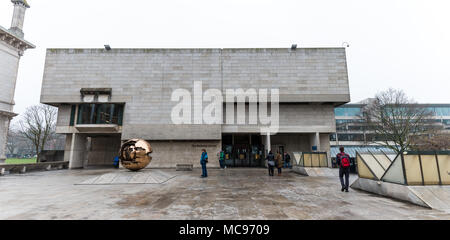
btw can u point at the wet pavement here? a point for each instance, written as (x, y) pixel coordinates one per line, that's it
(225, 194)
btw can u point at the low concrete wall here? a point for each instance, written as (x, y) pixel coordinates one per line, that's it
(316, 172)
(23, 168)
(391, 190)
(300, 170)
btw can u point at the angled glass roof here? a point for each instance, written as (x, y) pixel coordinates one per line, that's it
(351, 150)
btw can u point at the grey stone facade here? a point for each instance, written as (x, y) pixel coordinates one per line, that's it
(12, 47)
(311, 83)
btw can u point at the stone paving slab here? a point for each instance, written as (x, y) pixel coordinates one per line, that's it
(129, 177)
(225, 194)
(139, 178)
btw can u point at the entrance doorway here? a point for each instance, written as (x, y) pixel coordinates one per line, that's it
(243, 150)
(278, 148)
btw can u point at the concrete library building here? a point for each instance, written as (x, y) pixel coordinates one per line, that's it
(107, 96)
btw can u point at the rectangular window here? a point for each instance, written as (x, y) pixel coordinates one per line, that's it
(351, 137)
(347, 111)
(72, 115)
(333, 137)
(100, 114)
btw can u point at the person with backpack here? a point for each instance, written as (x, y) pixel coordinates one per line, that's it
(343, 161)
(270, 163)
(203, 162)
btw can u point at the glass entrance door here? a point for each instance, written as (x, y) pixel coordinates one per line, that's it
(241, 155)
(243, 150)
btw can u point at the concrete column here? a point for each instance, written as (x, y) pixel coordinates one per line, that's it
(75, 151)
(317, 139)
(314, 140)
(325, 146)
(268, 144)
(4, 126)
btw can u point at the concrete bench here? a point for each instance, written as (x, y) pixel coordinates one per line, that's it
(185, 167)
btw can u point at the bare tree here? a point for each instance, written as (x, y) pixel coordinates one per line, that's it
(435, 142)
(395, 120)
(12, 140)
(38, 124)
(17, 144)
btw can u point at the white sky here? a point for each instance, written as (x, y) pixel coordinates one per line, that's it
(393, 43)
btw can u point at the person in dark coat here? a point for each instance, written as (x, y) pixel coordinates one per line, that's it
(203, 162)
(287, 160)
(343, 161)
(222, 159)
(270, 163)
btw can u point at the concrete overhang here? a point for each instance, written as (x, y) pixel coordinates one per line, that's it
(92, 128)
(8, 114)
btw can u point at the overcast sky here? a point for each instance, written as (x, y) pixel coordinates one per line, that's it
(393, 43)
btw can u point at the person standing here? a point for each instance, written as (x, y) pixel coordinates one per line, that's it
(287, 160)
(222, 159)
(116, 162)
(270, 163)
(279, 161)
(203, 162)
(343, 161)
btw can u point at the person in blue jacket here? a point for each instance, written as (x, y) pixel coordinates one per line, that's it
(116, 162)
(203, 162)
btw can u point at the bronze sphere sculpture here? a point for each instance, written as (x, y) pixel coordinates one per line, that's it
(135, 154)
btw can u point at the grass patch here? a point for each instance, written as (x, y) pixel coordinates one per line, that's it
(20, 161)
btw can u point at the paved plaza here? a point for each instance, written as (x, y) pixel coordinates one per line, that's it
(167, 194)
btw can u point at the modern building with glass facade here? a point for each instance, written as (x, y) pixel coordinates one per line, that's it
(352, 134)
(105, 97)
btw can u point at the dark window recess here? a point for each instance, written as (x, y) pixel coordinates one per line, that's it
(351, 137)
(100, 114)
(374, 137)
(72, 115)
(333, 137)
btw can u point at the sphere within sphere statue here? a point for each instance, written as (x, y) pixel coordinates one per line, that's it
(135, 154)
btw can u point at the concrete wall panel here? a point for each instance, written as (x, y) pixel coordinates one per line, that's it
(167, 154)
(144, 79)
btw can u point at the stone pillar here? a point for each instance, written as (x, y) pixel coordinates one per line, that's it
(4, 126)
(20, 6)
(314, 140)
(268, 144)
(75, 150)
(325, 146)
(317, 139)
